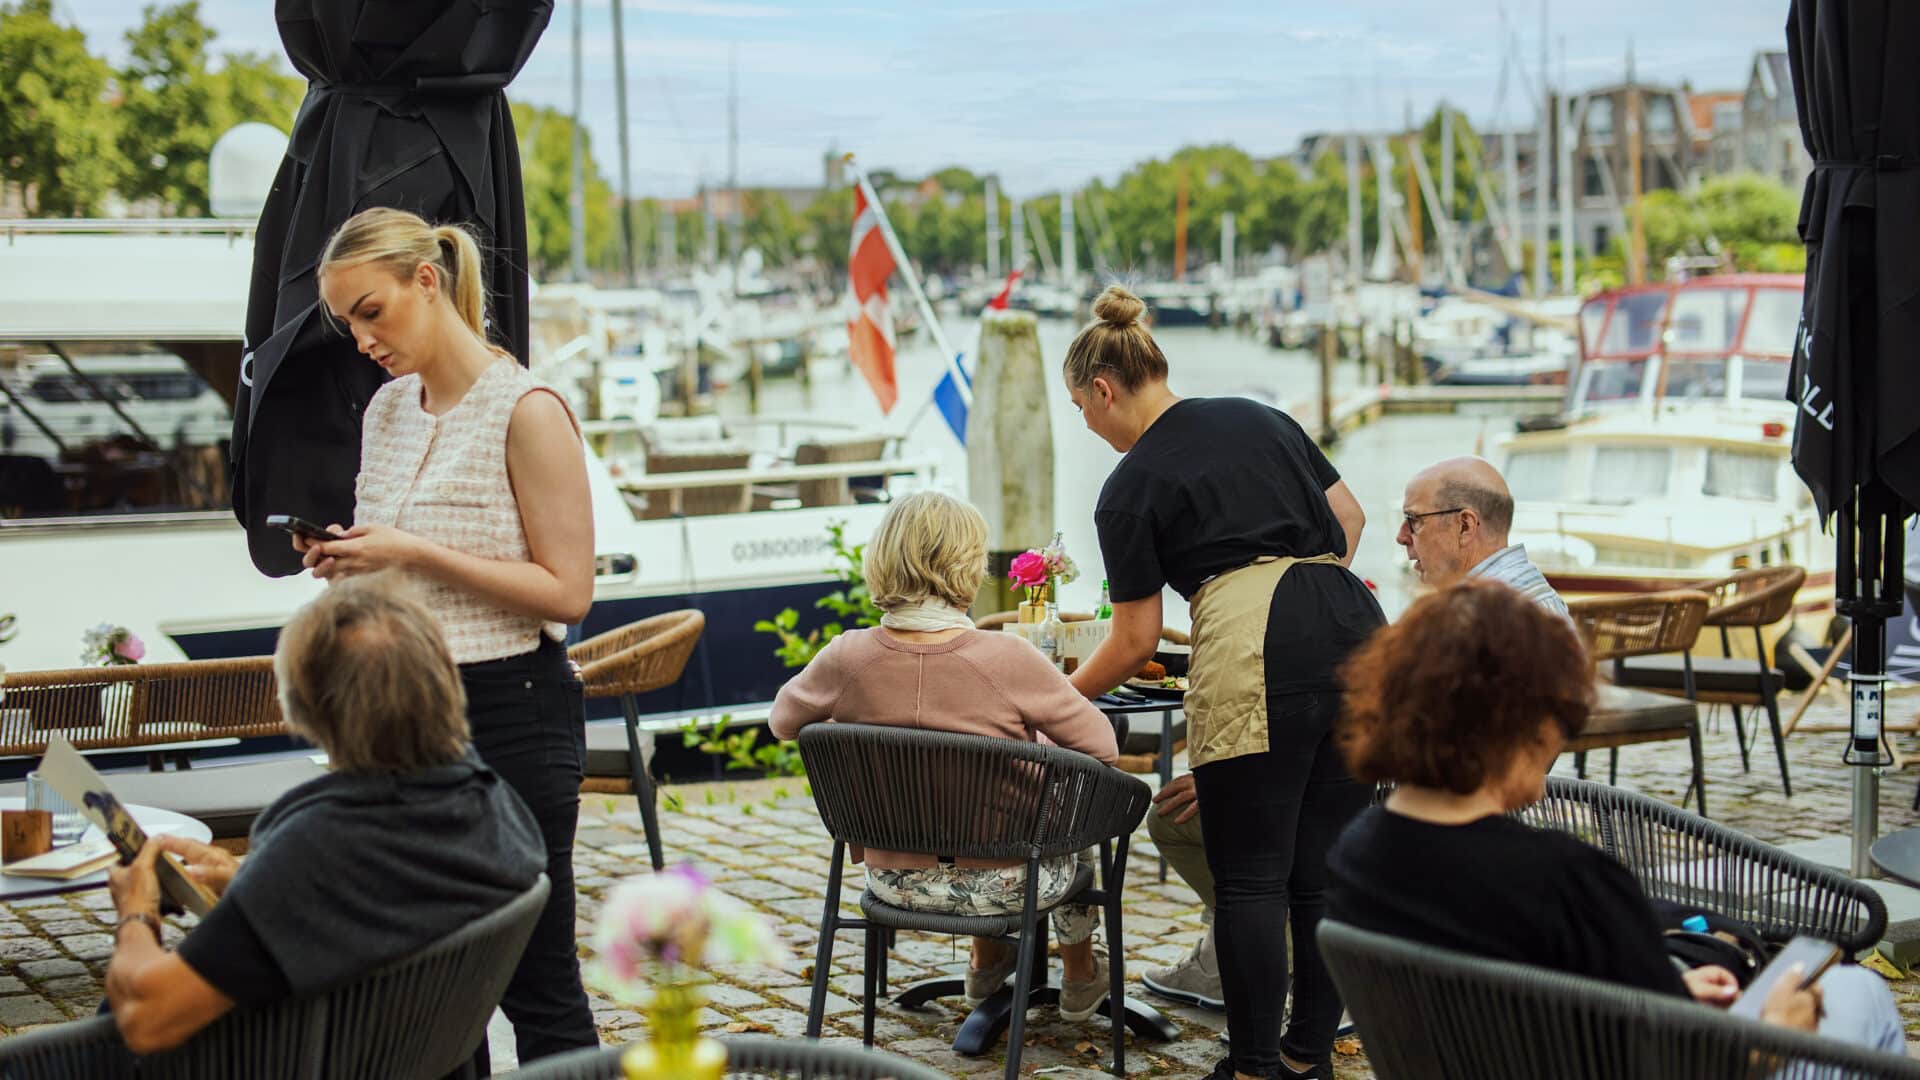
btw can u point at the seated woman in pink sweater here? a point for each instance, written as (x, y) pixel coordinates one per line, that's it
(925, 666)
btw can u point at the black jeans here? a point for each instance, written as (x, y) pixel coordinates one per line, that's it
(1269, 819)
(529, 725)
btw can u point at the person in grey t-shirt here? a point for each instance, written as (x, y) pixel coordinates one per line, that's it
(1455, 520)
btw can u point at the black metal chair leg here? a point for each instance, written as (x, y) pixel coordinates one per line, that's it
(1772, 704)
(823, 961)
(642, 780)
(1166, 768)
(1613, 765)
(1580, 764)
(1693, 734)
(1032, 940)
(1740, 736)
(876, 943)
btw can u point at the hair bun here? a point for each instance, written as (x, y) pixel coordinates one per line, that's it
(1117, 307)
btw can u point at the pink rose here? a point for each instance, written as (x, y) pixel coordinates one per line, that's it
(1029, 570)
(130, 648)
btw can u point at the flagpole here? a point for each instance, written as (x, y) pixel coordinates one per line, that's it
(905, 267)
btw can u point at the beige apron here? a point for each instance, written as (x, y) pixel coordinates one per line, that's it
(1226, 702)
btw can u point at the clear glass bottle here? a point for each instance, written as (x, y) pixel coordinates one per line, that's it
(1105, 608)
(1052, 637)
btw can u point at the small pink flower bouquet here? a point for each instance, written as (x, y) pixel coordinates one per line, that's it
(1042, 571)
(106, 644)
(659, 932)
(674, 922)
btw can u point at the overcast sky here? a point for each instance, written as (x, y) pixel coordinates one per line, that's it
(1051, 92)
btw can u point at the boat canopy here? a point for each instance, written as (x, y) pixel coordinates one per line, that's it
(1722, 339)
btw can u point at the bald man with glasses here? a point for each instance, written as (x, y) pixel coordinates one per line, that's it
(1455, 517)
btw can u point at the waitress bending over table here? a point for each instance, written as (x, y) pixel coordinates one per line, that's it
(1231, 503)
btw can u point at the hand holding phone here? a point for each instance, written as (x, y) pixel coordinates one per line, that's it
(299, 526)
(1804, 959)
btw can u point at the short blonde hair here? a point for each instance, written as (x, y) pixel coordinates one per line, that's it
(365, 675)
(929, 545)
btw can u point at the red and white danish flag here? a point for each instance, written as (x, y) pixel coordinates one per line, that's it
(870, 330)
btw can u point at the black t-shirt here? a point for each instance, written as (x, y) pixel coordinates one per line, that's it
(1214, 484)
(1499, 889)
(226, 951)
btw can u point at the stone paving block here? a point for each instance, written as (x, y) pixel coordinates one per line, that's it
(24, 1009)
(797, 996)
(728, 996)
(15, 950)
(89, 946)
(38, 970)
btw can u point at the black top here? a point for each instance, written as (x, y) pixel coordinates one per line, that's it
(1499, 889)
(352, 871)
(1214, 484)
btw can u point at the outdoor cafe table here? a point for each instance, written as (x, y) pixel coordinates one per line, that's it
(1117, 712)
(1897, 854)
(150, 818)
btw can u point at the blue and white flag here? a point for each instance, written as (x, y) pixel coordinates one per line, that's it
(952, 400)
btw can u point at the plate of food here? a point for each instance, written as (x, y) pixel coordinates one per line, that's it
(1152, 680)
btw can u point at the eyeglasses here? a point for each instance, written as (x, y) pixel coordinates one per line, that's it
(1414, 520)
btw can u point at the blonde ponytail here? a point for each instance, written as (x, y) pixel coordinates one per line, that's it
(460, 275)
(401, 241)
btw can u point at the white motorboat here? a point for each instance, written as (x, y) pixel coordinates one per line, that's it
(126, 521)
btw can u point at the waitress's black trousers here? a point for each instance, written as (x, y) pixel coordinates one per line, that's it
(529, 725)
(1269, 819)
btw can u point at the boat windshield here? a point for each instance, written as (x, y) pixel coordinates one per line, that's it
(1612, 381)
(1625, 474)
(1763, 380)
(1696, 380)
(1635, 324)
(1537, 475)
(1774, 323)
(1705, 320)
(123, 428)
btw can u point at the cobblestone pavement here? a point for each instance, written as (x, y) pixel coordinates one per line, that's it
(763, 843)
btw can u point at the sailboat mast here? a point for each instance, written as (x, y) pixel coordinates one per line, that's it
(733, 169)
(1355, 239)
(1069, 261)
(1180, 229)
(576, 191)
(626, 167)
(993, 229)
(1637, 257)
(1542, 167)
(1564, 138)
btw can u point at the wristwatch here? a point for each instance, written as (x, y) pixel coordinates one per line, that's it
(149, 918)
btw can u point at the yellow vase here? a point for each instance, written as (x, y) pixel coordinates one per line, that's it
(705, 1059)
(1031, 612)
(675, 1051)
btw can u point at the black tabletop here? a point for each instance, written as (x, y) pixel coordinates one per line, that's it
(1898, 855)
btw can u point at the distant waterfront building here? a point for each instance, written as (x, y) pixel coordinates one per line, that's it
(1770, 123)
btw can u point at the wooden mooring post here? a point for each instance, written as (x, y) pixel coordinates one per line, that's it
(1010, 449)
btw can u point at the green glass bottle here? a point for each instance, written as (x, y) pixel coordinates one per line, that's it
(1105, 608)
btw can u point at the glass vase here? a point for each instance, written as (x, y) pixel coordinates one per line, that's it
(676, 1050)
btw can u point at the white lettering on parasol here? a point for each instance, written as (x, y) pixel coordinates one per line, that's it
(1808, 394)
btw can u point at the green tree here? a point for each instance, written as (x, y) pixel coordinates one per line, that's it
(546, 176)
(767, 222)
(1749, 220)
(173, 108)
(828, 223)
(56, 125)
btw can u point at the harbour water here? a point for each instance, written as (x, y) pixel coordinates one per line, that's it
(1375, 460)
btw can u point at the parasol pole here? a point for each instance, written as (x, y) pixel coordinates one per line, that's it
(1870, 576)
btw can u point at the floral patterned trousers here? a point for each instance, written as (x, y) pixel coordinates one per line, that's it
(966, 890)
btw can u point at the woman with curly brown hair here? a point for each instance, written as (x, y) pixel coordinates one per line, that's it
(1463, 704)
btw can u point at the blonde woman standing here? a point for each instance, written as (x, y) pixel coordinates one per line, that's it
(1230, 503)
(473, 481)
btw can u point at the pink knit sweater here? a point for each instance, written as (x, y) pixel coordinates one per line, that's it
(980, 682)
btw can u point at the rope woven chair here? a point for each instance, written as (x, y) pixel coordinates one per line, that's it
(1752, 599)
(134, 705)
(1686, 859)
(748, 1056)
(420, 1018)
(1647, 624)
(634, 659)
(973, 797)
(1427, 1013)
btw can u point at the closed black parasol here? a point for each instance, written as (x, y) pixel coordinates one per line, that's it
(1856, 371)
(405, 108)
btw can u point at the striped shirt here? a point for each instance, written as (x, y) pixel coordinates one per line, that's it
(1511, 566)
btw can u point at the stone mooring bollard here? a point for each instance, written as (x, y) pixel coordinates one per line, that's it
(1010, 449)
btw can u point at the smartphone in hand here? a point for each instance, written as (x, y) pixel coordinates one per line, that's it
(1812, 953)
(299, 526)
